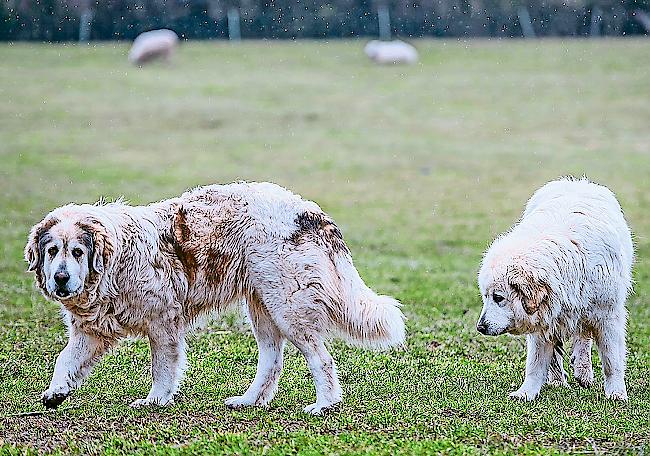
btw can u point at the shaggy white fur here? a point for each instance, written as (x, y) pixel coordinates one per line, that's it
(120, 270)
(564, 271)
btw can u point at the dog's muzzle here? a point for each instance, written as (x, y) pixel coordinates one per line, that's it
(61, 279)
(62, 285)
(482, 327)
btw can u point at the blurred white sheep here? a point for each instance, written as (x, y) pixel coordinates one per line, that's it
(386, 52)
(153, 45)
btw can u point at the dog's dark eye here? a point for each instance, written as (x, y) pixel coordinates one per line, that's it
(53, 250)
(77, 253)
(497, 298)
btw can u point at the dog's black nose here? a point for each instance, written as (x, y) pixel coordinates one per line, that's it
(61, 278)
(482, 327)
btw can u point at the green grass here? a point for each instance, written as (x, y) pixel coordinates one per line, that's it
(420, 166)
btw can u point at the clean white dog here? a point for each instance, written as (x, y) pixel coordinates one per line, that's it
(564, 271)
(150, 271)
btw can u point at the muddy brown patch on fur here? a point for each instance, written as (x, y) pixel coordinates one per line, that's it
(181, 228)
(181, 237)
(320, 229)
(217, 264)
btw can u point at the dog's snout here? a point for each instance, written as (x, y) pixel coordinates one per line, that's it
(61, 278)
(482, 327)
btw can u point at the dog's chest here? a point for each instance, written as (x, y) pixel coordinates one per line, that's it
(565, 324)
(99, 320)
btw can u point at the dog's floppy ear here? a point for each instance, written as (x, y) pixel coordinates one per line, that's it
(533, 291)
(99, 244)
(33, 254)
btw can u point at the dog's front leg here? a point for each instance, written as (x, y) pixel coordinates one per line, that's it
(73, 365)
(167, 367)
(540, 353)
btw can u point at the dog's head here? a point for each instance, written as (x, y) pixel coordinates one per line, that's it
(514, 295)
(68, 251)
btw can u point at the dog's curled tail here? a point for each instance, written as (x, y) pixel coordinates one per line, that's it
(370, 320)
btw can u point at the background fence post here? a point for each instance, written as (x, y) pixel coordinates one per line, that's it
(234, 32)
(85, 22)
(596, 19)
(383, 17)
(524, 20)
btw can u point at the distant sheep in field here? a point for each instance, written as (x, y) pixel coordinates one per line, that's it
(153, 45)
(387, 52)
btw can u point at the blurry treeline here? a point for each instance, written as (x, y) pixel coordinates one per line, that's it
(60, 20)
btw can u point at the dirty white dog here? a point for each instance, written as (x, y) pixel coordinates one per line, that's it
(120, 270)
(155, 44)
(391, 52)
(564, 271)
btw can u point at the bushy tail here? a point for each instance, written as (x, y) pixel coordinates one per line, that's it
(369, 320)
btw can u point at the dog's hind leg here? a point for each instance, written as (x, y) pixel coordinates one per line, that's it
(295, 289)
(538, 359)
(583, 370)
(556, 374)
(303, 326)
(322, 367)
(270, 343)
(73, 365)
(168, 363)
(610, 340)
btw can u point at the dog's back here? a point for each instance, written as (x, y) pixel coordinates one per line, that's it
(591, 216)
(259, 241)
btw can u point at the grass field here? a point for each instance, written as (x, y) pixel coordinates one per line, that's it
(420, 166)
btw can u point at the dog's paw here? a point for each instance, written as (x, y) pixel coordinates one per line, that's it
(584, 375)
(236, 402)
(557, 381)
(585, 379)
(152, 402)
(319, 409)
(53, 397)
(523, 395)
(616, 394)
